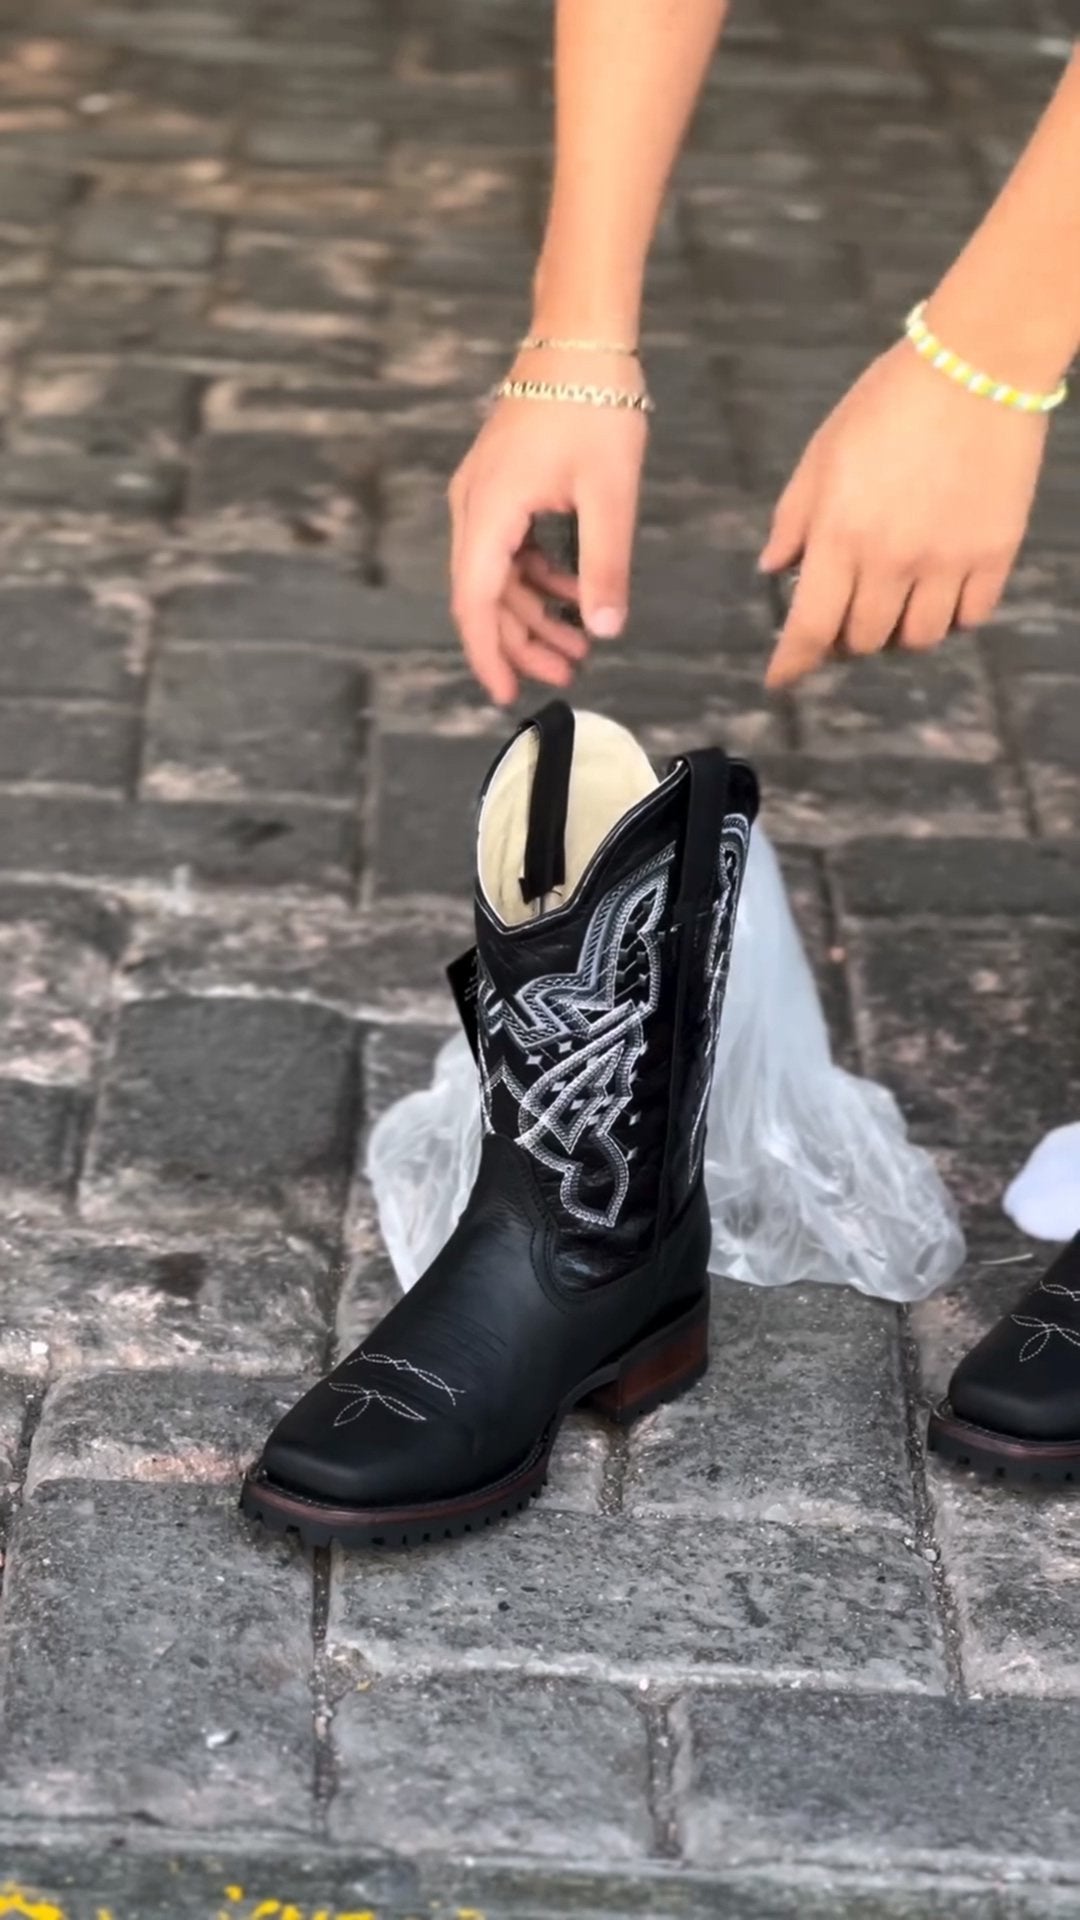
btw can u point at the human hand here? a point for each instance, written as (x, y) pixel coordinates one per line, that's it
(906, 513)
(536, 457)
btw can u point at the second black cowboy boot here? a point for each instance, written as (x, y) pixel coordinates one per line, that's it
(1013, 1407)
(605, 907)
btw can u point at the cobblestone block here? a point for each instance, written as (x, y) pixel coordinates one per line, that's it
(14, 1396)
(800, 1417)
(54, 641)
(959, 880)
(275, 273)
(387, 965)
(115, 413)
(212, 1101)
(706, 624)
(956, 1020)
(41, 1135)
(1046, 641)
(76, 1301)
(192, 1707)
(31, 197)
(55, 979)
(1046, 713)
(141, 233)
(109, 313)
(54, 995)
(421, 849)
(630, 1600)
(818, 802)
(268, 597)
(90, 484)
(964, 1780)
(1016, 1588)
(315, 142)
(579, 1466)
(269, 720)
(155, 1425)
(783, 265)
(414, 531)
(289, 475)
(246, 843)
(398, 1060)
(370, 1286)
(937, 707)
(471, 1763)
(65, 742)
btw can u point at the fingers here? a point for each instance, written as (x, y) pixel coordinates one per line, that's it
(532, 660)
(561, 638)
(876, 611)
(930, 614)
(484, 548)
(791, 520)
(606, 537)
(536, 569)
(818, 612)
(980, 595)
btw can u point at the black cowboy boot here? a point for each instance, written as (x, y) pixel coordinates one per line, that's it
(1013, 1406)
(605, 906)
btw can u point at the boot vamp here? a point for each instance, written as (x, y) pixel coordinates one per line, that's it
(464, 1377)
(1023, 1378)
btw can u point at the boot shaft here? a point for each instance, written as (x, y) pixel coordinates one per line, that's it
(605, 909)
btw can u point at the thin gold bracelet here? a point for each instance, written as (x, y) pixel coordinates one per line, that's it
(579, 396)
(537, 342)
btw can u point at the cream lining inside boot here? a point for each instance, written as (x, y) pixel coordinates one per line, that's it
(609, 774)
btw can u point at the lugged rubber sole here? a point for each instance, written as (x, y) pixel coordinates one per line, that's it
(1002, 1456)
(660, 1368)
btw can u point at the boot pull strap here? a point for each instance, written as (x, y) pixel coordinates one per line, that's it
(545, 846)
(710, 779)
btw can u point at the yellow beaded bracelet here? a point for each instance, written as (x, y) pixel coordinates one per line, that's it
(943, 360)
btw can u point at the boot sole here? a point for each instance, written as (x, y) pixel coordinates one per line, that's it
(655, 1370)
(999, 1456)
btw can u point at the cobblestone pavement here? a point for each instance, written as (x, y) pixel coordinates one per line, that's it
(759, 1659)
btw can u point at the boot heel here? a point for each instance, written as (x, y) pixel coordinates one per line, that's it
(659, 1369)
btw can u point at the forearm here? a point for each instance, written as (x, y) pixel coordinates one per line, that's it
(1012, 300)
(626, 80)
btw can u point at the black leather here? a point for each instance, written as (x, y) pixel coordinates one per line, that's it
(1023, 1378)
(597, 1023)
(500, 1342)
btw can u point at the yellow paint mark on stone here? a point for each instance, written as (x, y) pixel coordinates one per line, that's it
(14, 1899)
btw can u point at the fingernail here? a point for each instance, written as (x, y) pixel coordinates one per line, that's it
(606, 623)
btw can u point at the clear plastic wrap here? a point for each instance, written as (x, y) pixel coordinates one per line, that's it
(809, 1170)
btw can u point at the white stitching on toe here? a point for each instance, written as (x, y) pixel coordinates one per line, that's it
(361, 1398)
(1043, 1330)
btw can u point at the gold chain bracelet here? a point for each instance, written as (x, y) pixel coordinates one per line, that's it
(539, 342)
(577, 395)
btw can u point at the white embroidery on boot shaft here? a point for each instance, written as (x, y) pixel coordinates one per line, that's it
(589, 1025)
(734, 847)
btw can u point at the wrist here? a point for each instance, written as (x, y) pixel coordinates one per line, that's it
(1001, 334)
(579, 294)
